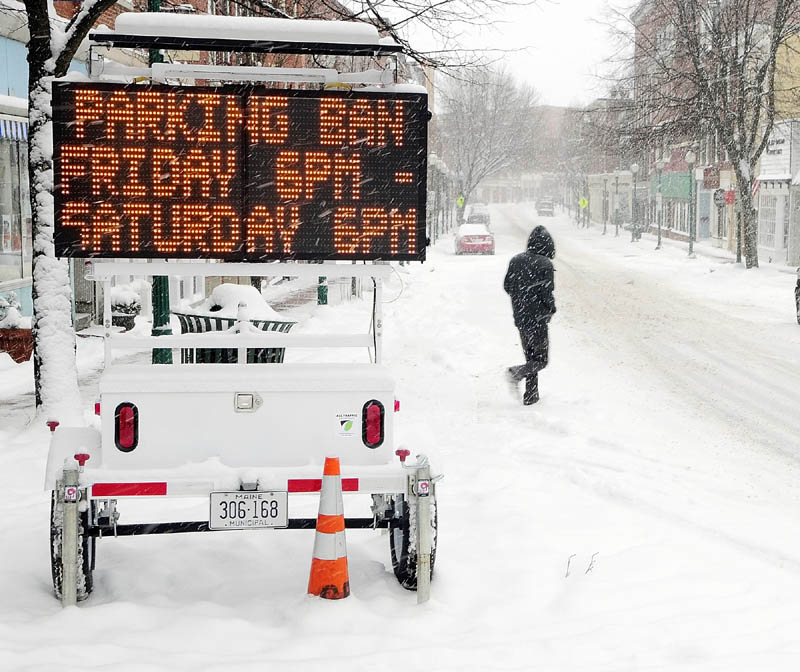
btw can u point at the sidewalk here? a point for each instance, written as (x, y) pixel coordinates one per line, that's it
(704, 247)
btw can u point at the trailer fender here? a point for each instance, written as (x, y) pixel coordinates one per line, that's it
(65, 443)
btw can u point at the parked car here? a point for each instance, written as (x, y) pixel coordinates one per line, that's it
(474, 238)
(478, 213)
(544, 207)
(480, 217)
(478, 207)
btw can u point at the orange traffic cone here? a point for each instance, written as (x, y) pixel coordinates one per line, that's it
(329, 577)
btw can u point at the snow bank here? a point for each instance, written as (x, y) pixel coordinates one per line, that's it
(10, 317)
(13, 320)
(246, 28)
(225, 299)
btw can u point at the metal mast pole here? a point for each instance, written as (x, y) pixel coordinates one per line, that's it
(160, 291)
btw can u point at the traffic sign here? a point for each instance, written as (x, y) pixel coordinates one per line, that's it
(460, 201)
(719, 197)
(583, 202)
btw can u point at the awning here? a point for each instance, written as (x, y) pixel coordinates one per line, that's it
(11, 129)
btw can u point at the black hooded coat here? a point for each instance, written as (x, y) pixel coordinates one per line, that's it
(529, 282)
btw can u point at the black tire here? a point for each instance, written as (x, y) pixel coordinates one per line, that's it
(404, 560)
(86, 551)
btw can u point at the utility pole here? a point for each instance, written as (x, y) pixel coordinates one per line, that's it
(160, 291)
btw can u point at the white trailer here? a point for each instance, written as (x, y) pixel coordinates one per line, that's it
(250, 439)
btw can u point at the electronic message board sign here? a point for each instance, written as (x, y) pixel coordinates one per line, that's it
(238, 173)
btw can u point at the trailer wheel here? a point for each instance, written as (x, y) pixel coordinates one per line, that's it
(403, 541)
(86, 550)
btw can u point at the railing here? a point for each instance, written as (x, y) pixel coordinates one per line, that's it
(243, 335)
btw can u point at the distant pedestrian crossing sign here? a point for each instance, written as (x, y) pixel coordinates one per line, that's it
(583, 203)
(460, 201)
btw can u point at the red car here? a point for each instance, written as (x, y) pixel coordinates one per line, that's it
(474, 239)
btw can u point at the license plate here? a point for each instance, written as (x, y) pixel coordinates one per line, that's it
(247, 510)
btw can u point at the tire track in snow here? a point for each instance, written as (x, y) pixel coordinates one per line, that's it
(743, 387)
(733, 413)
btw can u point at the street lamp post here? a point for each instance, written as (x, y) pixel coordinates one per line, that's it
(634, 209)
(616, 203)
(605, 204)
(690, 159)
(660, 163)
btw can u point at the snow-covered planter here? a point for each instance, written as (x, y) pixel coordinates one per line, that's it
(220, 312)
(125, 306)
(16, 336)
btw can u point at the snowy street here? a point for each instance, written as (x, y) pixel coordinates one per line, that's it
(643, 515)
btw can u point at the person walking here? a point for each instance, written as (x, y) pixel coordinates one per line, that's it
(529, 282)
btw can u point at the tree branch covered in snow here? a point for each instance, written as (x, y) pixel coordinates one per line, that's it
(76, 30)
(442, 20)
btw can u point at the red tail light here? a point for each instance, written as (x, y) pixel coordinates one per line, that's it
(372, 424)
(126, 427)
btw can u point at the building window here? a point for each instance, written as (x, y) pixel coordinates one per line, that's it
(767, 220)
(15, 214)
(785, 222)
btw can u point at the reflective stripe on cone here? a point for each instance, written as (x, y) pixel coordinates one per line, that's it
(329, 575)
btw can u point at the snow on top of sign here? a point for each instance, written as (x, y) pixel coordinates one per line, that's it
(225, 299)
(397, 88)
(245, 28)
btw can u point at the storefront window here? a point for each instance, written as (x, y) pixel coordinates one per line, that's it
(767, 220)
(15, 215)
(785, 222)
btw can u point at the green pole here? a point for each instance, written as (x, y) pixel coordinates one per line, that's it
(160, 292)
(691, 210)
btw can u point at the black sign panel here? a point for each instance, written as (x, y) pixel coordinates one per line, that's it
(238, 173)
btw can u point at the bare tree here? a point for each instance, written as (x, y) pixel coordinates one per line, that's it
(443, 20)
(487, 126)
(709, 69)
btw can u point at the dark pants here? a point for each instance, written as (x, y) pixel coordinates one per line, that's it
(535, 346)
